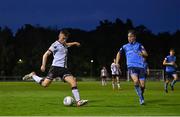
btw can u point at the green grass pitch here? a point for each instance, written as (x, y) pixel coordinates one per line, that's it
(28, 98)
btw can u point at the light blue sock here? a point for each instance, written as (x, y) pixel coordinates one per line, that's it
(138, 91)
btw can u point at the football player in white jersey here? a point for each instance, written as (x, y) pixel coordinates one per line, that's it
(59, 66)
(115, 75)
(103, 76)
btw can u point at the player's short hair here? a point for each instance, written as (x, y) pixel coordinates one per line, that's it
(65, 32)
(172, 49)
(132, 32)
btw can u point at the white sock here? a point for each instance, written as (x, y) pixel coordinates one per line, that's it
(102, 82)
(105, 83)
(37, 78)
(75, 93)
(118, 85)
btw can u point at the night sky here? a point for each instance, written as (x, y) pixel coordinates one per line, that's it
(156, 15)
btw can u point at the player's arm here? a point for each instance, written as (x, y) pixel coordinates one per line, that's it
(44, 60)
(73, 44)
(175, 65)
(119, 70)
(111, 67)
(167, 63)
(118, 57)
(143, 52)
(148, 71)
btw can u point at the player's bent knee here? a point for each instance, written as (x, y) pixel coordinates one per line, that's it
(176, 78)
(44, 85)
(142, 86)
(74, 78)
(136, 81)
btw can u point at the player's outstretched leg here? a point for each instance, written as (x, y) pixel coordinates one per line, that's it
(33, 76)
(72, 81)
(166, 86)
(142, 91)
(172, 84)
(42, 81)
(28, 76)
(139, 93)
(138, 89)
(142, 86)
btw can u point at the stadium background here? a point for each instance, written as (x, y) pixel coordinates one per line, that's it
(21, 52)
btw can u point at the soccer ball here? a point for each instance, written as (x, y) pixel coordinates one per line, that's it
(68, 101)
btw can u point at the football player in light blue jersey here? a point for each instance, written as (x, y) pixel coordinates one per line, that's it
(171, 66)
(59, 66)
(135, 54)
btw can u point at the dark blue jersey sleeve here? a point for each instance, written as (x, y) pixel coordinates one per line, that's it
(141, 47)
(121, 50)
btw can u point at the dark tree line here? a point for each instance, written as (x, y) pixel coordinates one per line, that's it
(22, 52)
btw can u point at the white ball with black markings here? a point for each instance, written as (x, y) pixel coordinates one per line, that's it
(68, 101)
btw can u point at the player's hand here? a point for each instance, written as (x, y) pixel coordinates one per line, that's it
(77, 44)
(43, 68)
(148, 72)
(173, 63)
(140, 53)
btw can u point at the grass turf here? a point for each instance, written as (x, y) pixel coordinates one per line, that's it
(28, 98)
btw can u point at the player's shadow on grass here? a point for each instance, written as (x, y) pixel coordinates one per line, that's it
(155, 101)
(120, 106)
(114, 106)
(170, 105)
(92, 102)
(52, 103)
